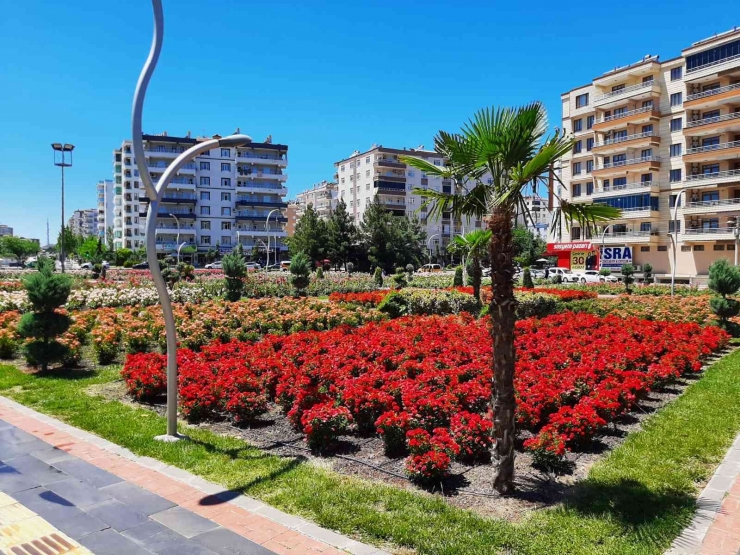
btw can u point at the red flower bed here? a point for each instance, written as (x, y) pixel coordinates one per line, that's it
(370, 298)
(564, 294)
(575, 373)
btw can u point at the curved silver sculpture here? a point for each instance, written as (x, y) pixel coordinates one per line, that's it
(155, 195)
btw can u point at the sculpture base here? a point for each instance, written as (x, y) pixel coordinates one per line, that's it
(167, 438)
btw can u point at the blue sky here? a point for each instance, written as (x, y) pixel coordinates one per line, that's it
(324, 77)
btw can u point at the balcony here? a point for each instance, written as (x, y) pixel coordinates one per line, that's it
(182, 214)
(258, 216)
(631, 117)
(253, 158)
(188, 169)
(182, 184)
(581, 199)
(633, 92)
(713, 125)
(698, 235)
(641, 213)
(712, 206)
(384, 163)
(257, 187)
(157, 168)
(247, 201)
(628, 237)
(705, 180)
(390, 187)
(721, 151)
(616, 144)
(163, 153)
(173, 230)
(181, 198)
(712, 97)
(712, 67)
(641, 165)
(629, 188)
(277, 232)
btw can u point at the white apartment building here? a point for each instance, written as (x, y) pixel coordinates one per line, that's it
(646, 133)
(106, 198)
(323, 196)
(538, 217)
(6, 230)
(378, 172)
(221, 197)
(84, 222)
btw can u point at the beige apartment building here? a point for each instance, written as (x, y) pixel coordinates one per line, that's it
(650, 135)
(322, 196)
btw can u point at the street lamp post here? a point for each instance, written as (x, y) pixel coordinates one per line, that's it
(179, 248)
(603, 238)
(429, 247)
(177, 222)
(734, 223)
(674, 236)
(267, 232)
(61, 161)
(156, 194)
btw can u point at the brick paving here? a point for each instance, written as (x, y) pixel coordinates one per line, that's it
(112, 501)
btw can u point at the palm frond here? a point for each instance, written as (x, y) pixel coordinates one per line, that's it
(588, 216)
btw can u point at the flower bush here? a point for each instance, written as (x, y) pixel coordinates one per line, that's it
(574, 374)
(9, 337)
(323, 423)
(369, 299)
(676, 309)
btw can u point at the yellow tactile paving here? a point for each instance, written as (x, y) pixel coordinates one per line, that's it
(23, 532)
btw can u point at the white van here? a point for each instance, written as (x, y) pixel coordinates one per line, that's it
(430, 268)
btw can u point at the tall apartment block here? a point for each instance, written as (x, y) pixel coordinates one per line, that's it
(646, 133)
(106, 198)
(221, 197)
(84, 222)
(6, 230)
(378, 173)
(323, 196)
(538, 217)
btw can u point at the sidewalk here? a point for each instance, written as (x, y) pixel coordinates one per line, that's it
(715, 529)
(111, 501)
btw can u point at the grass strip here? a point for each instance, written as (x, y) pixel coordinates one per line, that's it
(635, 501)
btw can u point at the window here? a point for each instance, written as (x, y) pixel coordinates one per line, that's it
(698, 247)
(225, 153)
(226, 197)
(685, 248)
(675, 175)
(647, 79)
(225, 182)
(577, 125)
(715, 54)
(577, 190)
(341, 169)
(226, 211)
(676, 73)
(577, 147)
(672, 201)
(582, 100)
(670, 226)
(644, 249)
(205, 180)
(589, 166)
(205, 210)
(205, 239)
(590, 188)
(575, 234)
(205, 224)
(590, 122)
(646, 226)
(676, 99)
(662, 248)
(676, 124)
(205, 195)
(589, 144)
(367, 160)
(617, 88)
(205, 165)
(719, 247)
(676, 149)
(577, 168)
(647, 104)
(710, 169)
(225, 239)
(225, 167)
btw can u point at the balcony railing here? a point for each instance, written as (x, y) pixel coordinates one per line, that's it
(616, 140)
(713, 203)
(714, 63)
(715, 119)
(709, 230)
(712, 92)
(711, 148)
(715, 175)
(630, 162)
(620, 115)
(178, 196)
(259, 156)
(260, 185)
(627, 234)
(627, 186)
(625, 90)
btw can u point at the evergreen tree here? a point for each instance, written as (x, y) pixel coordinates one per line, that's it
(527, 282)
(647, 273)
(47, 292)
(378, 277)
(628, 271)
(724, 280)
(391, 241)
(310, 236)
(109, 239)
(300, 270)
(234, 269)
(341, 232)
(458, 279)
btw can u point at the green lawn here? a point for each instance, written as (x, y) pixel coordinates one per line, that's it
(634, 502)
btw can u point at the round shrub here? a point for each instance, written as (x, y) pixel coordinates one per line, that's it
(472, 432)
(324, 423)
(392, 427)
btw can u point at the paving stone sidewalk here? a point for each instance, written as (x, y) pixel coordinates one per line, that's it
(112, 501)
(715, 529)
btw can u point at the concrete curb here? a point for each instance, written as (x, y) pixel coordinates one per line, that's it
(255, 506)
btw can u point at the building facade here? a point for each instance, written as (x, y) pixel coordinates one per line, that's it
(106, 198)
(291, 218)
(379, 173)
(538, 217)
(6, 230)
(84, 222)
(323, 196)
(221, 197)
(648, 137)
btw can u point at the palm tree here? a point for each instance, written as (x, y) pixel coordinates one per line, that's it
(496, 155)
(473, 245)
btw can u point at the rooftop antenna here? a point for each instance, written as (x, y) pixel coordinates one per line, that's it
(48, 241)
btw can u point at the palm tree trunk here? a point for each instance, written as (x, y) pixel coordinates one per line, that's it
(503, 319)
(476, 277)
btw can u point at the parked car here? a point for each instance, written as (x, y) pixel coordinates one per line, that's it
(285, 265)
(86, 266)
(214, 266)
(253, 266)
(274, 268)
(141, 266)
(430, 268)
(564, 273)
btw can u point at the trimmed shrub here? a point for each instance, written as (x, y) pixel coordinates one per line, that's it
(234, 269)
(324, 423)
(527, 282)
(378, 277)
(628, 271)
(399, 279)
(458, 279)
(724, 280)
(300, 270)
